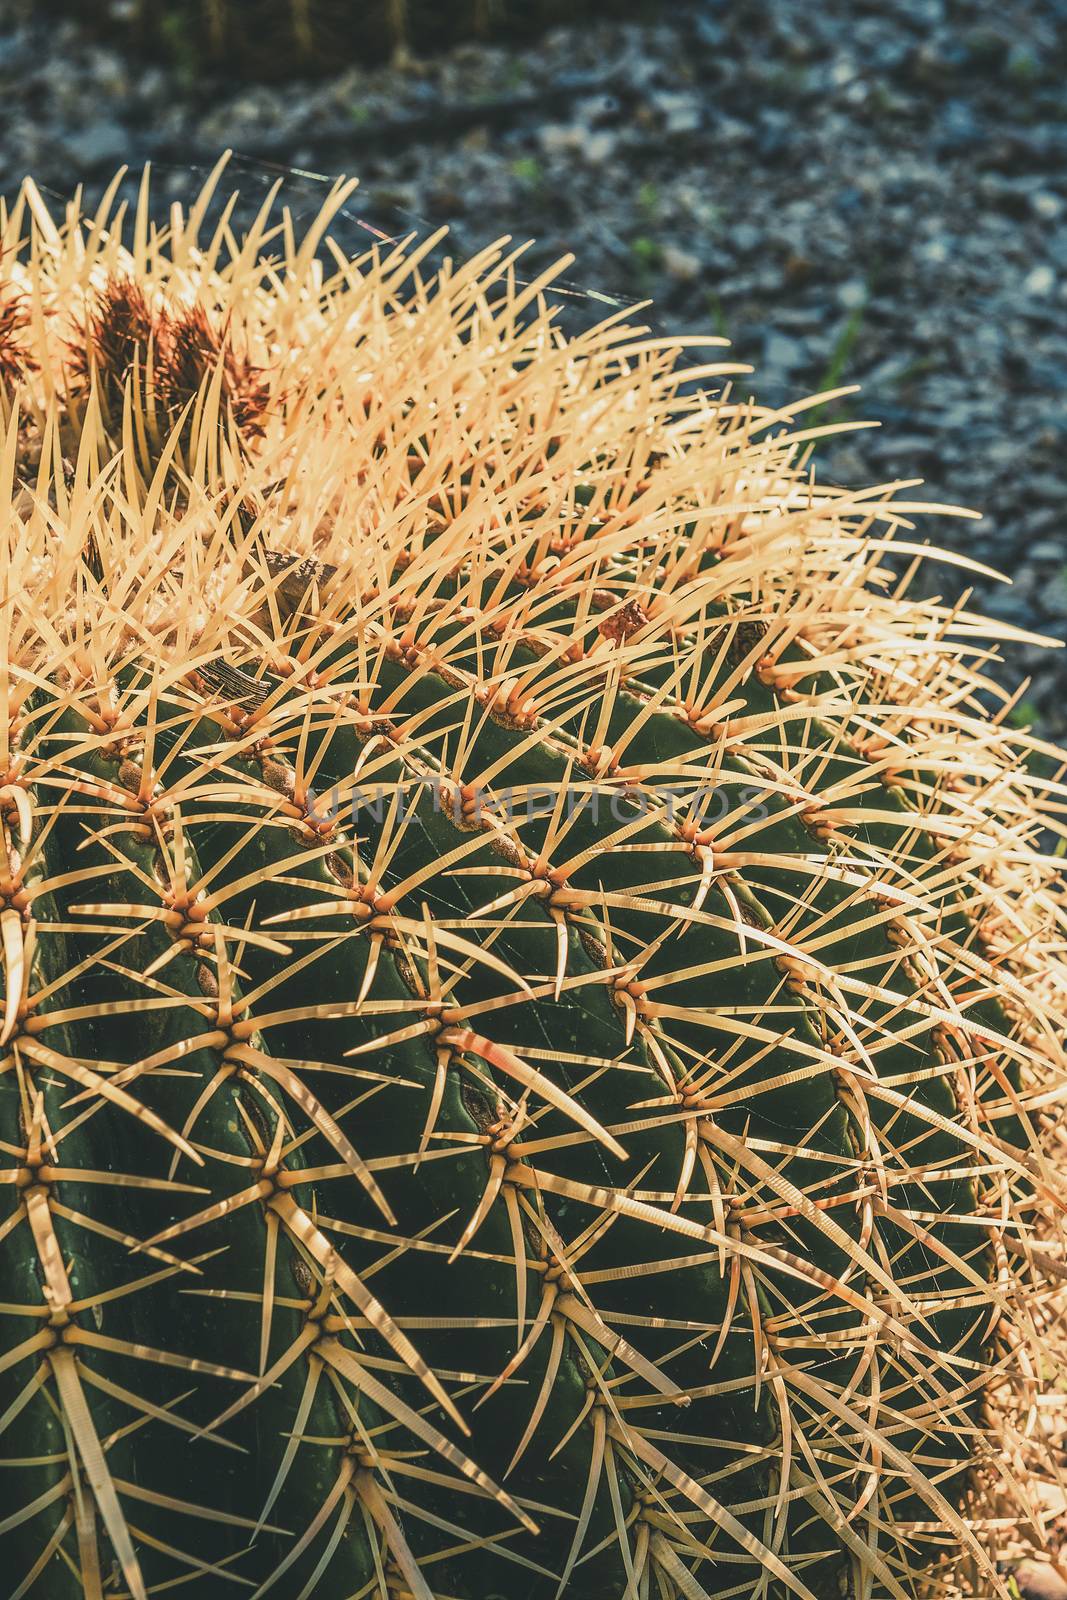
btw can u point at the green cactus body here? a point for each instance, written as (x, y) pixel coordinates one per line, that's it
(522, 1061)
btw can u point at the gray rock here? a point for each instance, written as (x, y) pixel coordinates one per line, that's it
(1040, 281)
(559, 139)
(781, 354)
(905, 448)
(681, 113)
(852, 294)
(100, 144)
(1047, 205)
(685, 265)
(1054, 595)
(1004, 605)
(599, 147)
(745, 237)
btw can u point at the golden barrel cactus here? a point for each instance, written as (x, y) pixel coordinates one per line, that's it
(532, 1026)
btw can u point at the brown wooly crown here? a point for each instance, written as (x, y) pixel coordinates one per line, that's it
(167, 356)
(533, 996)
(15, 359)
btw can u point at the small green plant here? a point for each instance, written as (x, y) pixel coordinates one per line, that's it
(837, 366)
(529, 171)
(843, 348)
(648, 256)
(917, 367)
(1024, 714)
(180, 42)
(1023, 67)
(717, 314)
(648, 198)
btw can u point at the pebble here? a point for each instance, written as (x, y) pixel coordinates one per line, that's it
(745, 237)
(98, 144)
(1010, 605)
(1040, 281)
(1054, 595)
(852, 295)
(1047, 205)
(685, 265)
(559, 139)
(598, 147)
(682, 113)
(782, 354)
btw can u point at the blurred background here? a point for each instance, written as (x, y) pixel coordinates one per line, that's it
(852, 192)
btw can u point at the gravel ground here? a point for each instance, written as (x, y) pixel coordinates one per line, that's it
(852, 192)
